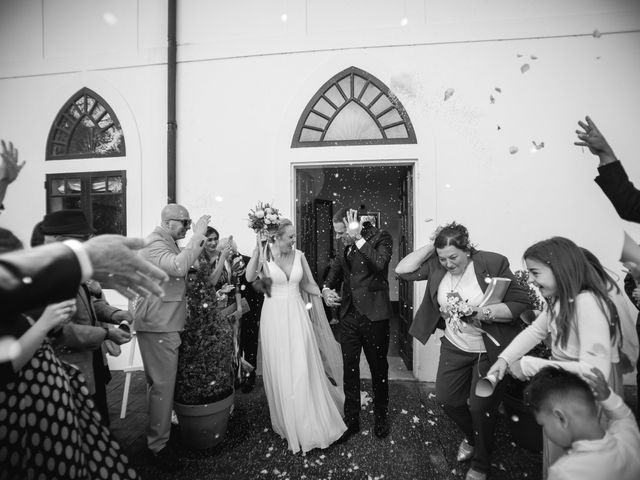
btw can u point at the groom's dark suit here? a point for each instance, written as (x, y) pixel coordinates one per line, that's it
(361, 274)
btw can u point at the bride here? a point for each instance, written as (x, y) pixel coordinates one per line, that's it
(301, 361)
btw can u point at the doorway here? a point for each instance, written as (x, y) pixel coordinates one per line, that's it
(382, 192)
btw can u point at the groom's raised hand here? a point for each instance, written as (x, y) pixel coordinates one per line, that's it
(354, 226)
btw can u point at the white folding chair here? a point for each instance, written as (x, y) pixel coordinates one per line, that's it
(130, 367)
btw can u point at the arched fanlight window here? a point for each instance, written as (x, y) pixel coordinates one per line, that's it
(353, 108)
(85, 127)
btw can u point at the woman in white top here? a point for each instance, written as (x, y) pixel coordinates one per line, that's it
(578, 314)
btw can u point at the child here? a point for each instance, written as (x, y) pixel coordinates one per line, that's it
(578, 315)
(565, 407)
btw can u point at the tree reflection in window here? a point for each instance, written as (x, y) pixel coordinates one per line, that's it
(85, 127)
(353, 108)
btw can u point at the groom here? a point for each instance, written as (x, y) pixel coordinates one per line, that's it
(361, 270)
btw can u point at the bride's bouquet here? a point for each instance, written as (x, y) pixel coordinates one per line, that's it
(264, 220)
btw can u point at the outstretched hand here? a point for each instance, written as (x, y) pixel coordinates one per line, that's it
(591, 137)
(117, 265)
(9, 166)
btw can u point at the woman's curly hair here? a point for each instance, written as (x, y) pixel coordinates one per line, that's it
(454, 234)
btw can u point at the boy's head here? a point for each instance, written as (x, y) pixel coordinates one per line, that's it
(563, 404)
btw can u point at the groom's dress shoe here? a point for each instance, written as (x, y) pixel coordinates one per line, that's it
(351, 430)
(381, 428)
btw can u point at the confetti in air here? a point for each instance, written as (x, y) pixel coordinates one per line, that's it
(513, 149)
(533, 57)
(537, 146)
(519, 55)
(524, 68)
(447, 94)
(498, 89)
(308, 306)
(492, 99)
(403, 411)
(515, 418)
(596, 33)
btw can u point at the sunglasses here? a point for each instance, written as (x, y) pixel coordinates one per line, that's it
(185, 222)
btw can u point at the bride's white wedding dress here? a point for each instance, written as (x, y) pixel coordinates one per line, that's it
(305, 408)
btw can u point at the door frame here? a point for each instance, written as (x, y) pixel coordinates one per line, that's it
(413, 166)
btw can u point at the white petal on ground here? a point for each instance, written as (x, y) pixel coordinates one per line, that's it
(525, 68)
(513, 149)
(448, 92)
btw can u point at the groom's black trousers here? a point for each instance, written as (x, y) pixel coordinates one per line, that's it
(358, 333)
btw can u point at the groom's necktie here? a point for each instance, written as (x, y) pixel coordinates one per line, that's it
(350, 253)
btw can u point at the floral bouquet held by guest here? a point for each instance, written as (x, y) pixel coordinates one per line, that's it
(264, 220)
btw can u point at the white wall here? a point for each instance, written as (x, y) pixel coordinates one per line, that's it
(245, 76)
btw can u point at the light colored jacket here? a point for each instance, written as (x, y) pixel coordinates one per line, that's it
(167, 314)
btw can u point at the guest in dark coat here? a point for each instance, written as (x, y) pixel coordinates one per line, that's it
(472, 340)
(80, 342)
(612, 178)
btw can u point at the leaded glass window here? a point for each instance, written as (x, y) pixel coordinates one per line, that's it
(86, 127)
(353, 108)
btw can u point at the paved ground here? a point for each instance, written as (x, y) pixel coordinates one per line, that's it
(421, 445)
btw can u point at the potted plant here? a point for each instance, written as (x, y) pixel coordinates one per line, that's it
(522, 424)
(204, 392)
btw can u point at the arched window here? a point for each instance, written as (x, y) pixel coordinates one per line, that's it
(86, 127)
(353, 108)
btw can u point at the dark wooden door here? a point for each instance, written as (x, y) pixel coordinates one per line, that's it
(405, 288)
(322, 215)
(305, 215)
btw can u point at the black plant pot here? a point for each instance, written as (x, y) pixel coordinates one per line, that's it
(522, 424)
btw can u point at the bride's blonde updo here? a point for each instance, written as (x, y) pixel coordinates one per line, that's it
(282, 227)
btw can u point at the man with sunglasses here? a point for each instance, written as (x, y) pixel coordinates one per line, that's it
(159, 321)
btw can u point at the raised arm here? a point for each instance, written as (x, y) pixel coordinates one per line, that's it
(412, 261)
(255, 262)
(377, 254)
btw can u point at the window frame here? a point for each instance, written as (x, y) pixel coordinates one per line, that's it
(334, 81)
(98, 100)
(86, 194)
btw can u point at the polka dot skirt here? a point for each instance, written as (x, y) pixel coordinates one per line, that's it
(50, 429)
